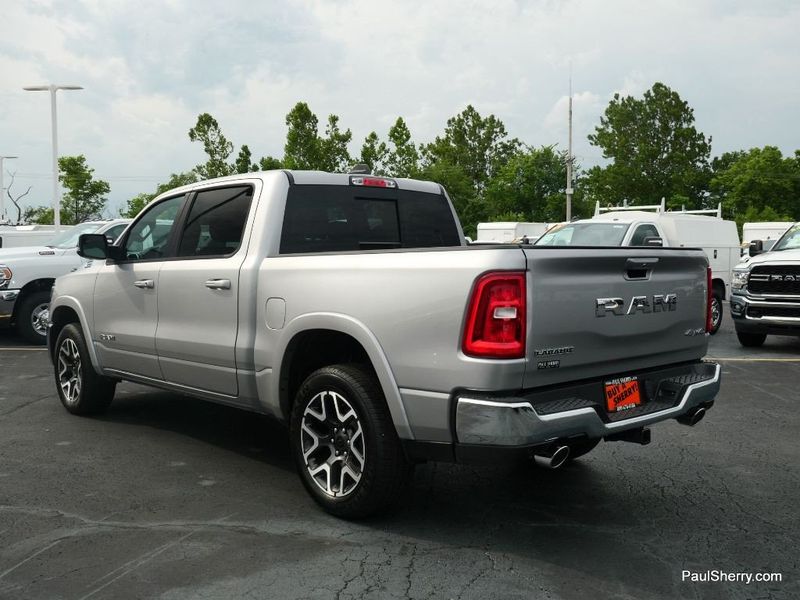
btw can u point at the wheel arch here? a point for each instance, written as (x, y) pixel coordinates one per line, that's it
(68, 310)
(318, 340)
(45, 284)
(718, 285)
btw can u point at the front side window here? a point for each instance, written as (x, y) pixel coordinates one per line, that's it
(584, 234)
(216, 222)
(114, 232)
(642, 233)
(69, 238)
(149, 236)
(790, 240)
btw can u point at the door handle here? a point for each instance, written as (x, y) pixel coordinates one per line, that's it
(218, 284)
(145, 284)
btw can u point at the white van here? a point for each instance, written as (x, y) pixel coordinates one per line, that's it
(767, 231)
(505, 232)
(655, 226)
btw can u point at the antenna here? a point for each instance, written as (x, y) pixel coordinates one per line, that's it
(570, 158)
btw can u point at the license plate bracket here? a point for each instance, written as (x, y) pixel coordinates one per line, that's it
(622, 393)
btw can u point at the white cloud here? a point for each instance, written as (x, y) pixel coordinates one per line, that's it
(149, 68)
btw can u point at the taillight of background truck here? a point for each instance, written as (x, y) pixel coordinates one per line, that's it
(495, 326)
(709, 295)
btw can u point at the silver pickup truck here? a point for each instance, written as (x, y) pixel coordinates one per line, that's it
(351, 308)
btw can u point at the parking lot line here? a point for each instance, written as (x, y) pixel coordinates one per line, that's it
(22, 349)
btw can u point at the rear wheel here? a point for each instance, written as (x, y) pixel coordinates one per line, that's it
(751, 340)
(716, 313)
(31, 317)
(344, 443)
(81, 390)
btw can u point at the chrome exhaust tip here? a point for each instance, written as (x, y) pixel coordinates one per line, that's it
(692, 418)
(552, 457)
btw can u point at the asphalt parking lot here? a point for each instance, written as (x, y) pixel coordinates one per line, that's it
(170, 497)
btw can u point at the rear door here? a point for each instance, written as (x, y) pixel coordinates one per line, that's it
(603, 311)
(198, 292)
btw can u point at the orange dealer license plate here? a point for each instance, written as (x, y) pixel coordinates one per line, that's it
(622, 394)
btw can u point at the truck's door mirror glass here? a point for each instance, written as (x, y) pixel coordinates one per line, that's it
(653, 241)
(756, 247)
(93, 246)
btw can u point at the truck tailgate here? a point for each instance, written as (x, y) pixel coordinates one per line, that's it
(610, 311)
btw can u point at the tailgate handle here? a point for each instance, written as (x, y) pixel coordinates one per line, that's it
(639, 268)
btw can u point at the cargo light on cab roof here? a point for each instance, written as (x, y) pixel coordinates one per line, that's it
(373, 182)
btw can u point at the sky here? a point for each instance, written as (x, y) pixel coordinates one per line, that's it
(149, 68)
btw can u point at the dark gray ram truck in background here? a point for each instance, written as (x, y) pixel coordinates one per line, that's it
(351, 308)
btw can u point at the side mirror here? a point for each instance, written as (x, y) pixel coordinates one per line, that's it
(93, 246)
(653, 241)
(756, 247)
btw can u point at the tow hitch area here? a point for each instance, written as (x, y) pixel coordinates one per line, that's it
(635, 436)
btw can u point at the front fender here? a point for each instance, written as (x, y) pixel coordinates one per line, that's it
(70, 302)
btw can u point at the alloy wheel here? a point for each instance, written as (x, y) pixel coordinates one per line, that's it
(332, 443)
(70, 376)
(39, 317)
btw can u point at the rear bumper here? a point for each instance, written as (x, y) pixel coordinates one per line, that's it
(776, 316)
(536, 419)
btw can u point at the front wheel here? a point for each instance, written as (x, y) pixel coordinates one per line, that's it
(31, 317)
(716, 313)
(81, 390)
(751, 340)
(344, 443)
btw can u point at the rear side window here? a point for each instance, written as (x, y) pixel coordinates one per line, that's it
(322, 218)
(216, 222)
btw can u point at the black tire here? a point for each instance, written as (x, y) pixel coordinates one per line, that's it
(73, 369)
(384, 470)
(28, 318)
(751, 340)
(581, 447)
(716, 313)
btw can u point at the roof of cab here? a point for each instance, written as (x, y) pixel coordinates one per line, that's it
(314, 178)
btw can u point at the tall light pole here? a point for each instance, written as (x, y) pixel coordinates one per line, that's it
(54, 118)
(3, 189)
(570, 158)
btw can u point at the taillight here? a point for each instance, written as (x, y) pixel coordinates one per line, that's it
(709, 296)
(495, 326)
(373, 182)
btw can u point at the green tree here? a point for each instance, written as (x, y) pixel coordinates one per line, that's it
(402, 159)
(656, 151)
(269, 163)
(758, 180)
(478, 145)
(531, 184)
(469, 206)
(84, 196)
(137, 203)
(244, 161)
(216, 146)
(373, 154)
(306, 149)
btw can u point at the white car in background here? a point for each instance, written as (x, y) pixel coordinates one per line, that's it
(27, 275)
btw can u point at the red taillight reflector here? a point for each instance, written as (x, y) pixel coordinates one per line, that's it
(495, 326)
(709, 296)
(373, 182)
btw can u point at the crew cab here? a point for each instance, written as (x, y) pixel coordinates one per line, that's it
(27, 275)
(350, 307)
(766, 290)
(654, 225)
